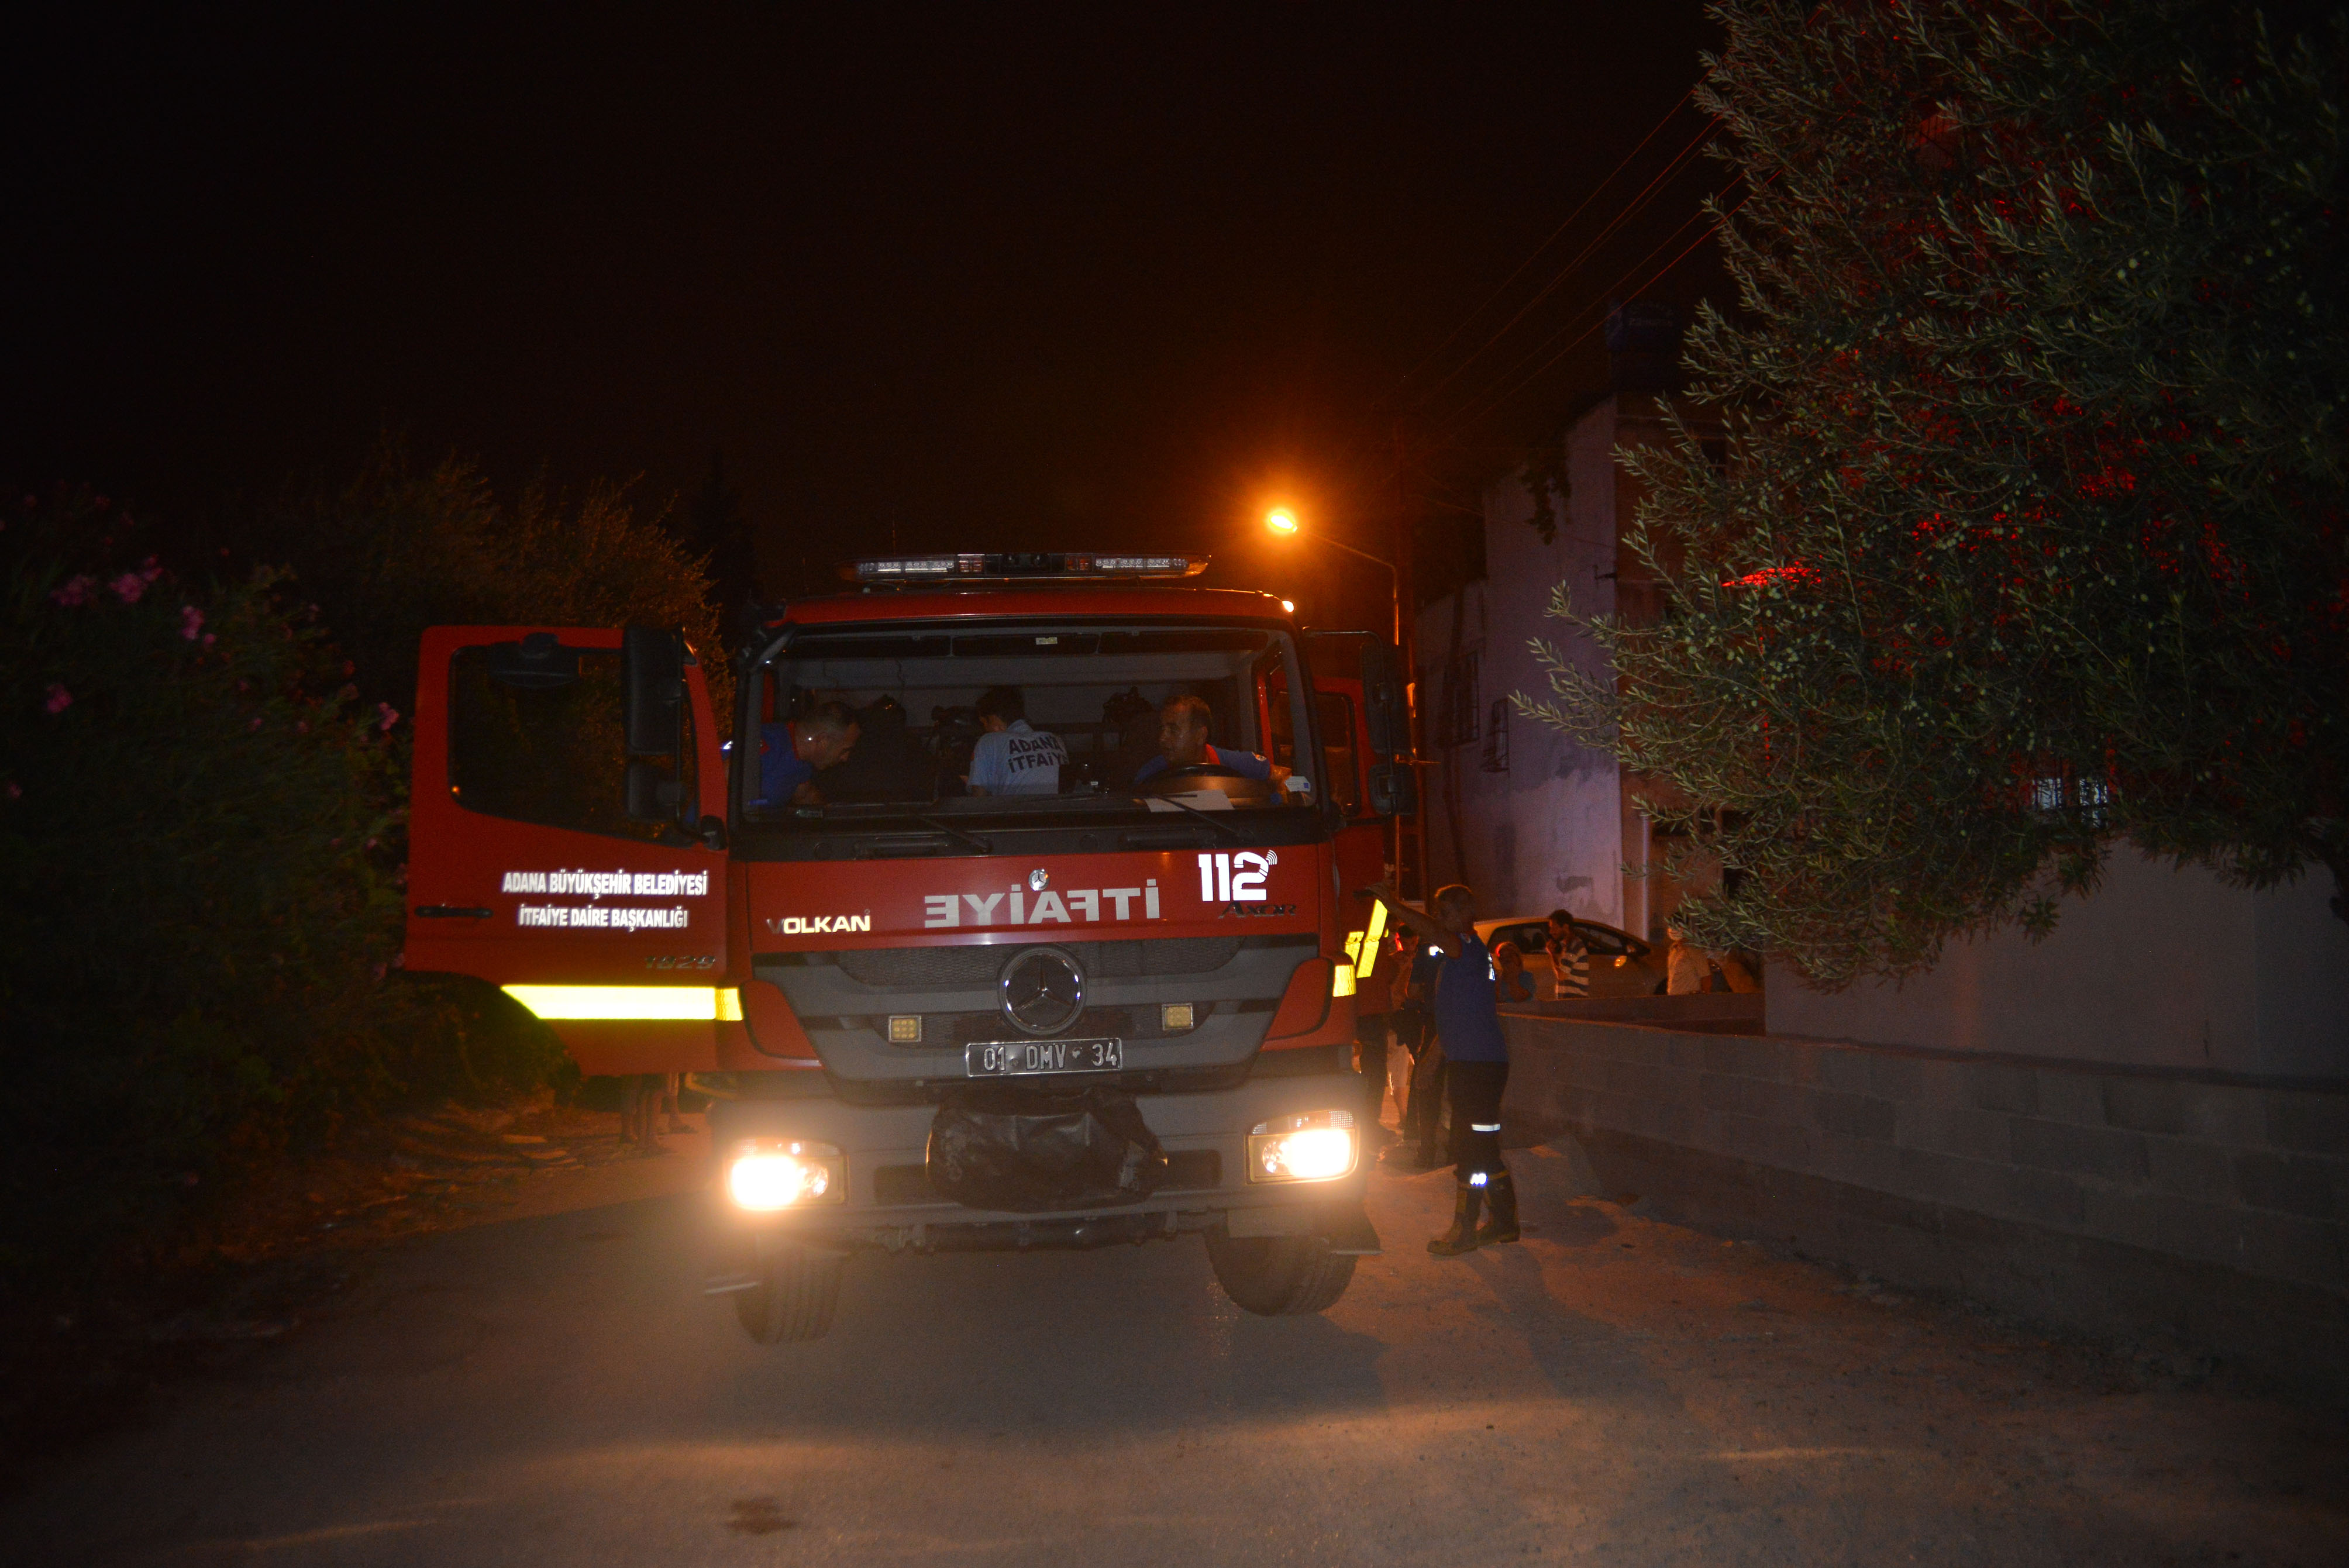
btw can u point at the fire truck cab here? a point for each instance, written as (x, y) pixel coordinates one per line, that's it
(1118, 1009)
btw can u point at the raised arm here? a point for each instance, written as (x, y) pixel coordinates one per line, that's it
(1396, 909)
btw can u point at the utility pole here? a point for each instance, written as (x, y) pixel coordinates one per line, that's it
(1409, 841)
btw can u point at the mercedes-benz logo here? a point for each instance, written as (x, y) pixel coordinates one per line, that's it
(1043, 991)
(1039, 880)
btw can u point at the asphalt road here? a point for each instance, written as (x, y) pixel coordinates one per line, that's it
(551, 1388)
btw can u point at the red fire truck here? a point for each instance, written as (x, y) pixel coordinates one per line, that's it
(932, 1019)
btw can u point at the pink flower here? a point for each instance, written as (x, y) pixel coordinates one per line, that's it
(60, 699)
(15, 791)
(390, 715)
(255, 724)
(191, 622)
(74, 592)
(209, 639)
(128, 587)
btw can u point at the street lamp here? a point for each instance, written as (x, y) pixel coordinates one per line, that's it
(1282, 522)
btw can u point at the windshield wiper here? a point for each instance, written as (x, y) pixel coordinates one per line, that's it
(977, 844)
(1226, 828)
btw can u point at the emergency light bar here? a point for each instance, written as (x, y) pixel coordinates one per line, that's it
(1018, 567)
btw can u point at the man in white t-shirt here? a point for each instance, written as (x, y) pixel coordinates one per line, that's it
(1011, 758)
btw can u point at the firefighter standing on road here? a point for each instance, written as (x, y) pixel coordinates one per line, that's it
(1476, 1066)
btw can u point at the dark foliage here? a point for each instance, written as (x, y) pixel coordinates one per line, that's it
(2033, 536)
(200, 887)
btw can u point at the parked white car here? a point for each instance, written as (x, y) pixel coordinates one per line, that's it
(1621, 965)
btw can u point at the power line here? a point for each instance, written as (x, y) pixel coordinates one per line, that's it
(1632, 208)
(1476, 398)
(1648, 283)
(1486, 303)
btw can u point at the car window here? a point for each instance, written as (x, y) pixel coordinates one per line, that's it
(1600, 939)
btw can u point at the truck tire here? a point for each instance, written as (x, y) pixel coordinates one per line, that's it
(794, 1299)
(1278, 1276)
(640, 1112)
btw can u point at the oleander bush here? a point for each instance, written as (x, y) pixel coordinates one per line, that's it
(201, 870)
(2029, 535)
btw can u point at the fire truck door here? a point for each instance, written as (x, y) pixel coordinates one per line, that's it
(555, 840)
(1344, 665)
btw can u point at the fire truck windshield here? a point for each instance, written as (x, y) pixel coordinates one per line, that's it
(1023, 723)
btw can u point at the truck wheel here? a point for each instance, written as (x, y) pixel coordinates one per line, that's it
(795, 1298)
(1275, 1276)
(642, 1096)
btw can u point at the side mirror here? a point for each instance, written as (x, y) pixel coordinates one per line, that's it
(1386, 702)
(652, 691)
(1395, 789)
(1386, 714)
(654, 793)
(652, 723)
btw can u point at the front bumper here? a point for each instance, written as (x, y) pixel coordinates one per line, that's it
(1204, 1134)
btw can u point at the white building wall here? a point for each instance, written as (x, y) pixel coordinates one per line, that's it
(2161, 967)
(1548, 831)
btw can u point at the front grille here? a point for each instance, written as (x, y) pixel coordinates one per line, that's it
(961, 968)
(1187, 1171)
(920, 968)
(1096, 1023)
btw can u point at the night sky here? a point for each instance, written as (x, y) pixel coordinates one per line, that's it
(978, 276)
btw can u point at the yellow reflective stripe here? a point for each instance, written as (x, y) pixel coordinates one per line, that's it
(1342, 979)
(1370, 955)
(1354, 946)
(730, 1005)
(694, 1002)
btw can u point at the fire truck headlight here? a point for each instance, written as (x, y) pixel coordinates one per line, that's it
(1317, 1147)
(765, 1174)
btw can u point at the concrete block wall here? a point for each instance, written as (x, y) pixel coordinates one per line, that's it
(2162, 966)
(2136, 1202)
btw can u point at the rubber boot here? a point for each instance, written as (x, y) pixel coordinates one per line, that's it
(1462, 1236)
(1501, 1200)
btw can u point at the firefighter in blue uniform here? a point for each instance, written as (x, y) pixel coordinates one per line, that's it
(1476, 1066)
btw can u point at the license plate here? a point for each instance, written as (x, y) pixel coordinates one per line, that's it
(1019, 1058)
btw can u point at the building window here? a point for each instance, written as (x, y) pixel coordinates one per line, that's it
(1455, 718)
(2091, 799)
(1497, 737)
